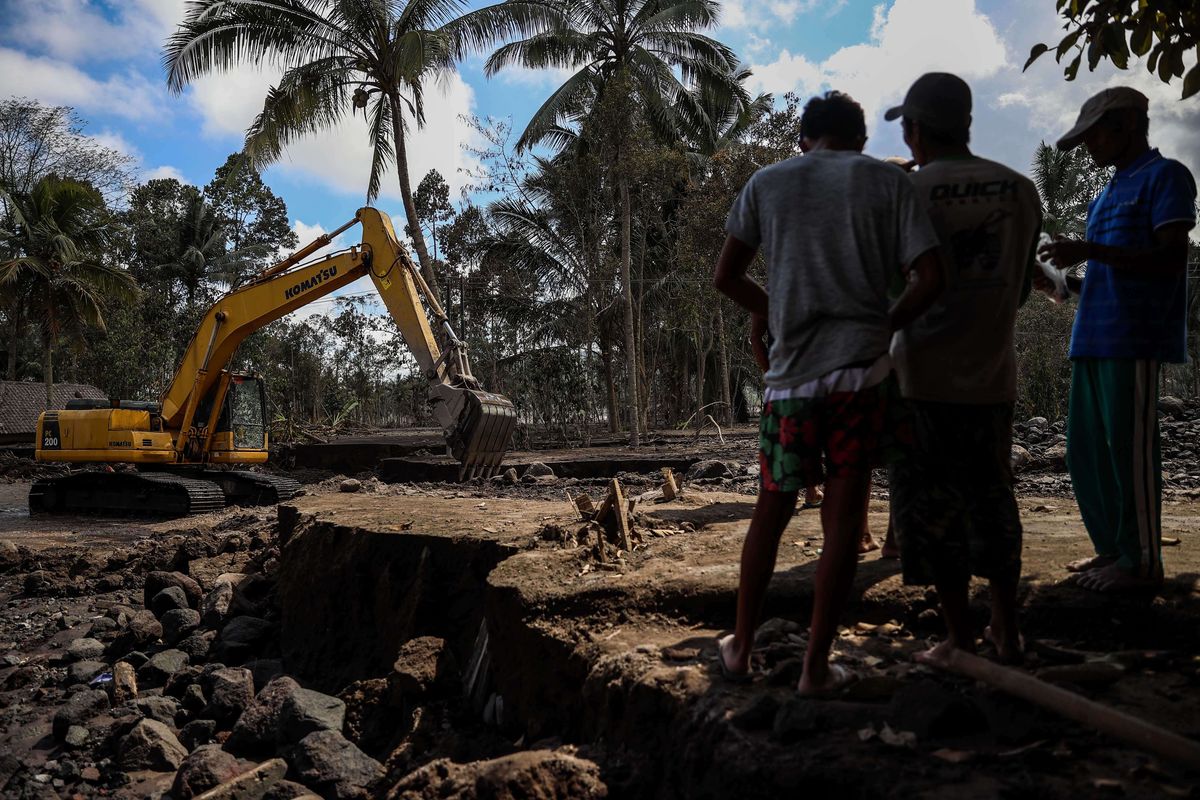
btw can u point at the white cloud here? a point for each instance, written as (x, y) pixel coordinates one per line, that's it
(56, 82)
(79, 31)
(787, 73)
(340, 158)
(764, 15)
(305, 234)
(89, 30)
(164, 171)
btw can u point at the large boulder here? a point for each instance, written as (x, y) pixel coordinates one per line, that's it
(332, 765)
(141, 629)
(84, 671)
(179, 623)
(158, 580)
(169, 599)
(162, 666)
(230, 692)
(207, 766)
(284, 713)
(150, 745)
(240, 638)
(85, 649)
(702, 470)
(214, 609)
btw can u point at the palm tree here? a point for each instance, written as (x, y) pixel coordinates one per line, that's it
(337, 56)
(1067, 182)
(201, 252)
(61, 231)
(644, 54)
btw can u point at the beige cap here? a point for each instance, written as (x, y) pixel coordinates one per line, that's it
(1096, 106)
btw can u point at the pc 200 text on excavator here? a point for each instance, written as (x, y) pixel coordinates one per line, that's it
(211, 419)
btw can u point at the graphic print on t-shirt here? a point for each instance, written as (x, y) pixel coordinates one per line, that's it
(975, 250)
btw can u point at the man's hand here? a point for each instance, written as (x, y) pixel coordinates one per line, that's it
(758, 341)
(1064, 253)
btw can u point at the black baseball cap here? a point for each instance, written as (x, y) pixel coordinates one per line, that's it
(937, 99)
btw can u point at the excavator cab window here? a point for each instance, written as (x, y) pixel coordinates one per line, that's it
(245, 413)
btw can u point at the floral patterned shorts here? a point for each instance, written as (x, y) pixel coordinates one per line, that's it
(804, 440)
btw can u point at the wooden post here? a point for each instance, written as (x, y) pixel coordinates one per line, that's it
(670, 487)
(1090, 714)
(621, 509)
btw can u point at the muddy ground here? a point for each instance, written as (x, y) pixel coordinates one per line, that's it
(473, 641)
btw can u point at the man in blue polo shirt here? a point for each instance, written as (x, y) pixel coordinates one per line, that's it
(1131, 318)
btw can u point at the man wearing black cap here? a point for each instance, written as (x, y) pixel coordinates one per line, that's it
(953, 505)
(1131, 318)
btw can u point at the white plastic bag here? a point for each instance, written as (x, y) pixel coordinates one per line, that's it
(1057, 276)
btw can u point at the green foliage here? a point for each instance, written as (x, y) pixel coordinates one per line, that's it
(1165, 33)
(251, 216)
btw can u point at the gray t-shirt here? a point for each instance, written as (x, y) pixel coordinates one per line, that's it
(836, 227)
(988, 218)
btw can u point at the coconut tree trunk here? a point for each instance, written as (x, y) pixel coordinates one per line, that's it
(14, 341)
(631, 371)
(610, 383)
(702, 349)
(723, 365)
(410, 208)
(48, 370)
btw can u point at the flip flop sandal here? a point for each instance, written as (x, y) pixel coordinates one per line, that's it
(840, 678)
(726, 672)
(807, 505)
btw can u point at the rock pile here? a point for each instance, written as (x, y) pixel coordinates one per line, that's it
(182, 691)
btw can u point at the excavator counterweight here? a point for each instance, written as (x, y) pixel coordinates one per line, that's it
(210, 419)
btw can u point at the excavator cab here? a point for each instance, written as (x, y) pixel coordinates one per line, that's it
(245, 413)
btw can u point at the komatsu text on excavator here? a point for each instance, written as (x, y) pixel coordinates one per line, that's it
(211, 420)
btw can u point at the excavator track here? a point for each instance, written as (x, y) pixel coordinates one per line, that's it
(242, 488)
(148, 494)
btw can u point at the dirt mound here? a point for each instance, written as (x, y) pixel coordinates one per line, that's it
(14, 468)
(532, 775)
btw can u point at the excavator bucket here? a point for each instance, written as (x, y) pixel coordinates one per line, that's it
(480, 439)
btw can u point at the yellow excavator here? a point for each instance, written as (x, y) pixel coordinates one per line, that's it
(211, 420)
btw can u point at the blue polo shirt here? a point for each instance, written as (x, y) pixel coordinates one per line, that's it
(1123, 314)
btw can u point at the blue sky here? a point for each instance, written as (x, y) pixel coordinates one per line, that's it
(103, 57)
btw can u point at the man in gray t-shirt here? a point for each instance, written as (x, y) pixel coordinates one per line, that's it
(836, 228)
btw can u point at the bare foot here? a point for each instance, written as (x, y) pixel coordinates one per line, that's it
(813, 497)
(1086, 564)
(867, 543)
(836, 678)
(939, 655)
(1010, 650)
(890, 549)
(1116, 579)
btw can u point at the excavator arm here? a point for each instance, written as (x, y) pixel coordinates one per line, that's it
(477, 424)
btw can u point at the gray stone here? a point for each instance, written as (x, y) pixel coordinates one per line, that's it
(84, 671)
(178, 623)
(1055, 457)
(193, 699)
(197, 732)
(85, 649)
(709, 469)
(1037, 422)
(510, 476)
(538, 470)
(231, 691)
(214, 609)
(158, 708)
(1020, 458)
(198, 645)
(169, 599)
(327, 762)
(157, 581)
(350, 485)
(288, 790)
(10, 556)
(1172, 406)
(283, 713)
(150, 745)
(207, 767)
(103, 626)
(162, 666)
(77, 736)
(81, 707)
(141, 629)
(240, 637)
